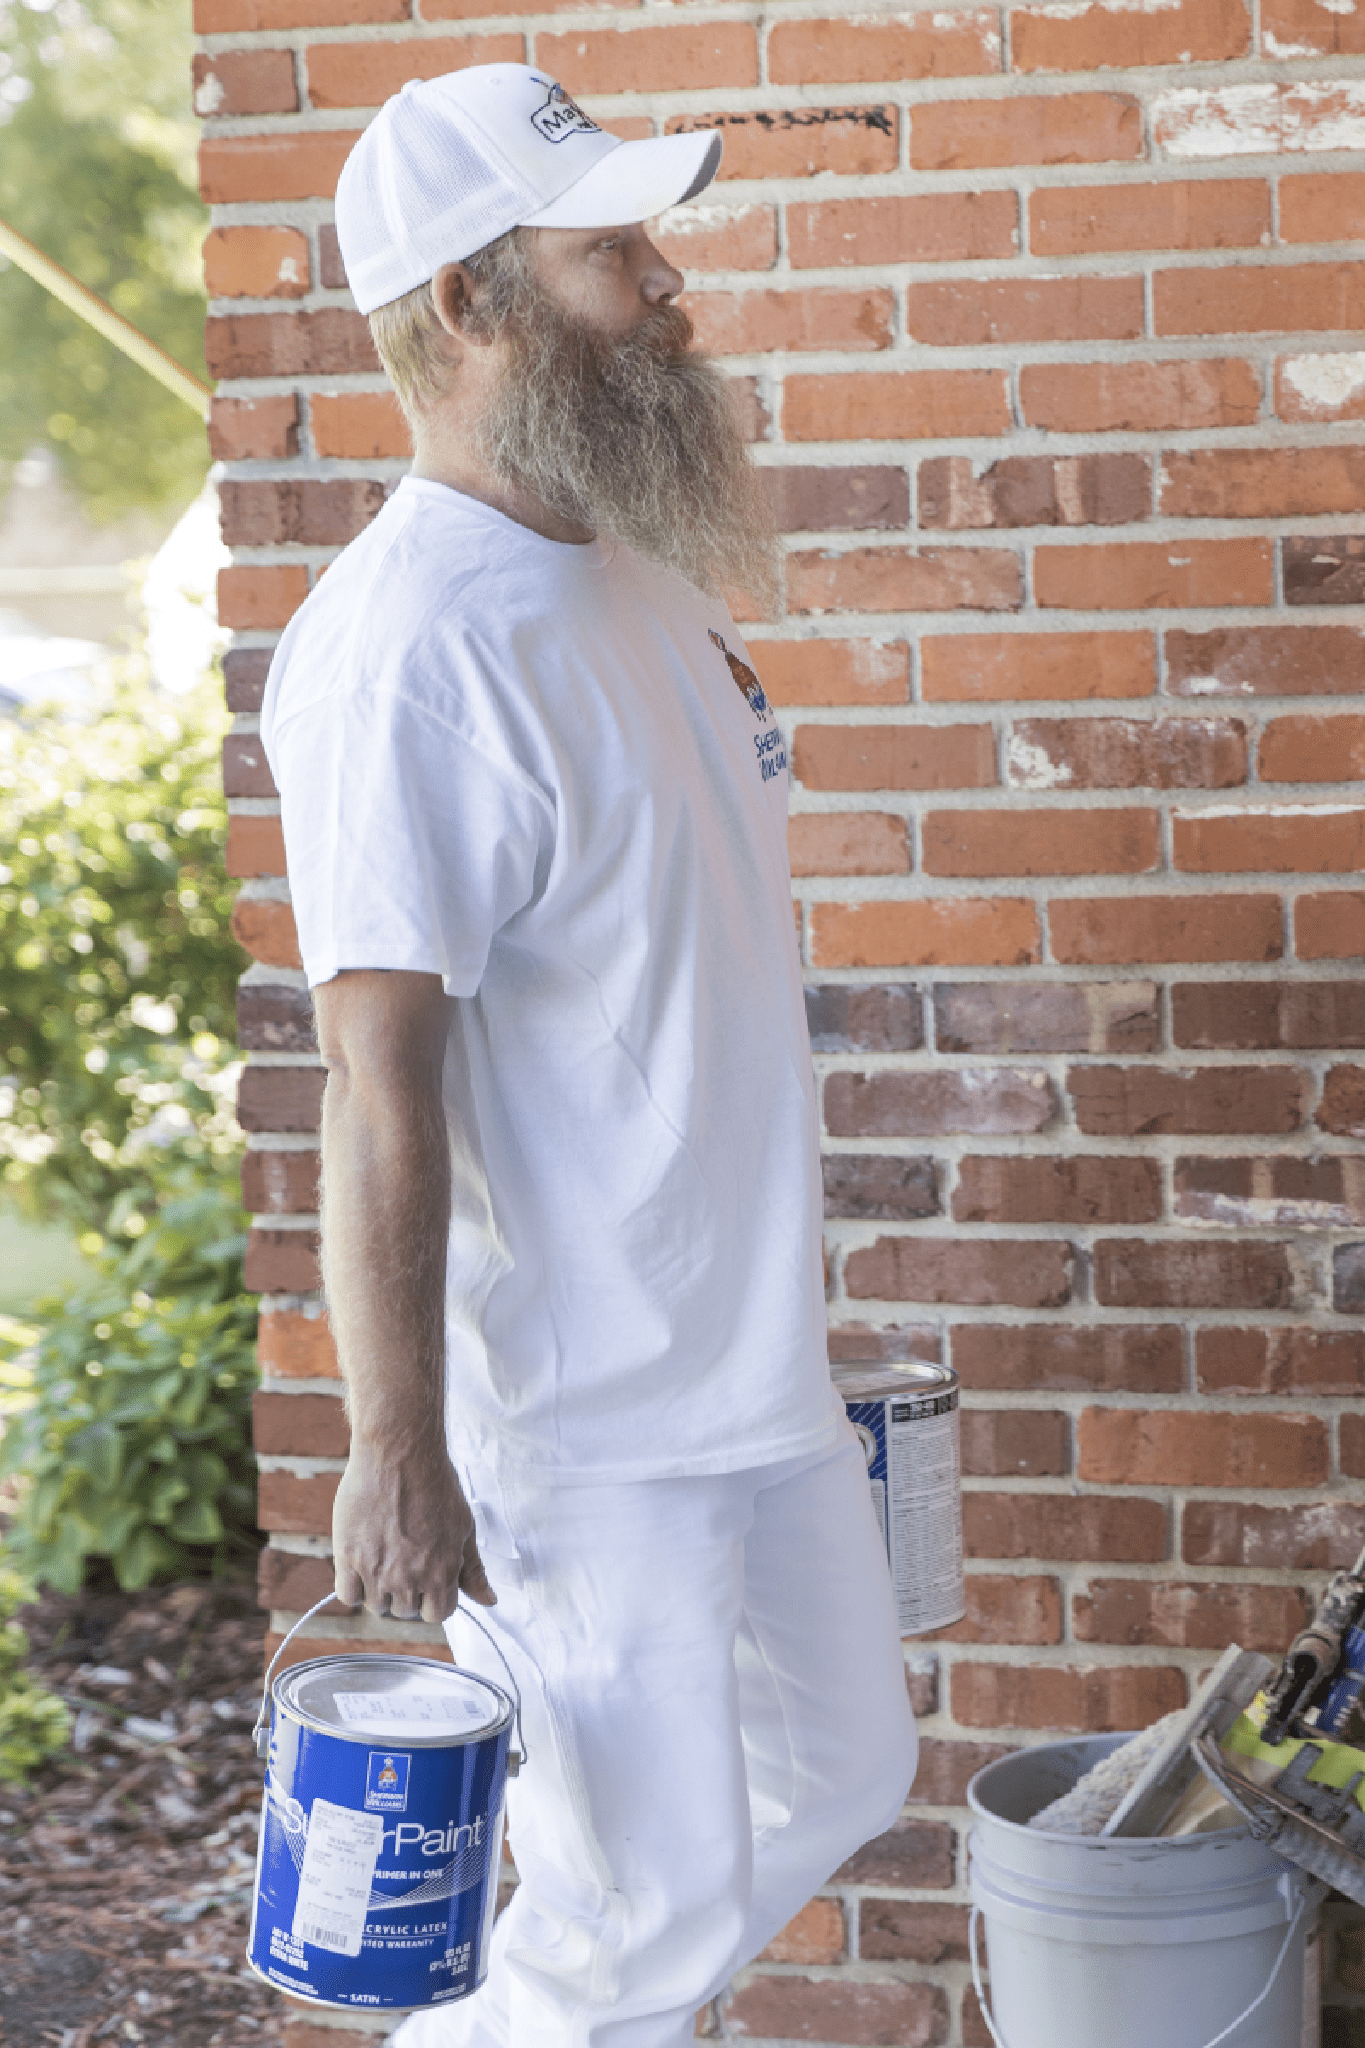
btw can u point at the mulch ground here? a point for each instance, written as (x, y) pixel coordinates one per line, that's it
(126, 1863)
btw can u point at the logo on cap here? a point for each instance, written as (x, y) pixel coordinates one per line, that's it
(560, 117)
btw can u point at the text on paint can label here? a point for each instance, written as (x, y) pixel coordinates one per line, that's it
(337, 1876)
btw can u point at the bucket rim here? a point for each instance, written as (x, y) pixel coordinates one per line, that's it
(987, 1816)
(362, 1738)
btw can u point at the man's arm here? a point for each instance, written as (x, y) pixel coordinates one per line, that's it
(402, 1533)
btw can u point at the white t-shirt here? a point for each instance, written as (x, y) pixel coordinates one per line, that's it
(547, 774)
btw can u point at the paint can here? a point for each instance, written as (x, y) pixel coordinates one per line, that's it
(907, 1422)
(381, 1833)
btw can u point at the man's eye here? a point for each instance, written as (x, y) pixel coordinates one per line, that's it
(612, 242)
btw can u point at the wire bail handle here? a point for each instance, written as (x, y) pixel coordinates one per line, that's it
(260, 1734)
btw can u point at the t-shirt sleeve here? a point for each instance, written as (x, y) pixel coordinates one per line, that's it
(409, 845)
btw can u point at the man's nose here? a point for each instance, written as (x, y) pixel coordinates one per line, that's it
(660, 282)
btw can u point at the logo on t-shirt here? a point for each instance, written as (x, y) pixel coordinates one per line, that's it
(560, 117)
(745, 679)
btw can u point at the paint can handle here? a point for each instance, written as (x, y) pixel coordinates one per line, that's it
(260, 1734)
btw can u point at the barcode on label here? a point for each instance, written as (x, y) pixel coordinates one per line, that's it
(322, 1936)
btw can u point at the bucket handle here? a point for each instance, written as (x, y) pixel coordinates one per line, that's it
(260, 1734)
(973, 1937)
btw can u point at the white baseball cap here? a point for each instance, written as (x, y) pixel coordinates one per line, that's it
(449, 164)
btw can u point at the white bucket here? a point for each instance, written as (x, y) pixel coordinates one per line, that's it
(1137, 1943)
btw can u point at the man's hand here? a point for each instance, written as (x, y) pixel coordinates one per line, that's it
(403, 1537)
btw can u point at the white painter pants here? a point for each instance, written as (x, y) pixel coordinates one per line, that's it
(716, 1716)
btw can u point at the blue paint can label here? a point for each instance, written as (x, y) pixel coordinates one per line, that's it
(377, 1875)
(906, 1420)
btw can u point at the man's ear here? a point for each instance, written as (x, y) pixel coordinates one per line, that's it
(452, 292)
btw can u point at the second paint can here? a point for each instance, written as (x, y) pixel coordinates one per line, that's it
(906, 1417)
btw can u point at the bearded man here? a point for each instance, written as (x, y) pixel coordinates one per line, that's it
(534, 803)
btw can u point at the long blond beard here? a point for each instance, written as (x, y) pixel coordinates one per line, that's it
(636, 438)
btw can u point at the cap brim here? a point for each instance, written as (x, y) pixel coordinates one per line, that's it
(636, 181)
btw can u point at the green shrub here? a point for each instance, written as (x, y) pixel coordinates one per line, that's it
(33, 1724)
(128, 1432)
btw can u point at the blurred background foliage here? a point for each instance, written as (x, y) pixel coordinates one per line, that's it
(97, 154)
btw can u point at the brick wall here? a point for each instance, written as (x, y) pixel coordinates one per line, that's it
(1044, 320)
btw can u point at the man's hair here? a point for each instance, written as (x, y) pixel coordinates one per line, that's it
(411, 341)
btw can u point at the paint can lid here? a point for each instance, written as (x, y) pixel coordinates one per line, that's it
(410, 1699)
(874, 1380)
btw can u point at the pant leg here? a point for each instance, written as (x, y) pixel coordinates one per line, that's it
(829, 1737)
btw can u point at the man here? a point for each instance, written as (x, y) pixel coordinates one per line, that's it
(534, 803)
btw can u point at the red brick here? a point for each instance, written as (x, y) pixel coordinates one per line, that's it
(256, 263)
(1111, 932)
(359, 426)
(334, 341)
(825, 498)
(1324, 568)
(1180, 1617)
(244, 82)
(1061, 1358)
(893, 756)
(1015, 667)
(1323, 1536)
(1096, 398)
(1111, 1102)
(879, 1187)
(296, 1343)
(287, 1581)
(1120, 1448)
(1330, 927)
(431, 1643)
(1348, 1286)
(1033, 128)
(1342, 1109)
(1289, 839)
(294, 1506)
(246, 772)
(1291, 1014)
(1261, 483)
(306, 512)
(254, 429)
(1272, 299)
(904, 580)
(366, 74)
(654, 59)
(1058, 1190)
(936, 1101)
(281, 1262)
(1245, 1274)
(1325, 208)
(800, 142)
(257, 598)
(280, 1183)
(1074, 1528)
(1320, 387)
(1114, 1697)
(1306, 749)
(865, 48)
(1013, 1443)
(1138, 575)
(1202, 213)
(299, 1425)
(1276, 1192)
(969, 312)
(912, 1853)
(272, 167)
(1353, 1447)
(1009, 1272)
(1048, 38)
(267, 931)
(833, 671)
(244, 672)
(229, 17)
(931, 227)
(1252, 661)
(1043, 842)
(255, 846)
(831, 2009)
(1126, 753)
(1302, 28)
(916, 1930)
(280, 1098)
(948, 932)
(711, 237)
(961, 492)
(848, 843)
(274, 1017)
(1077, 1016)
(754, 322)
(816, 1935)
(913, 405)
(1281, 1361)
